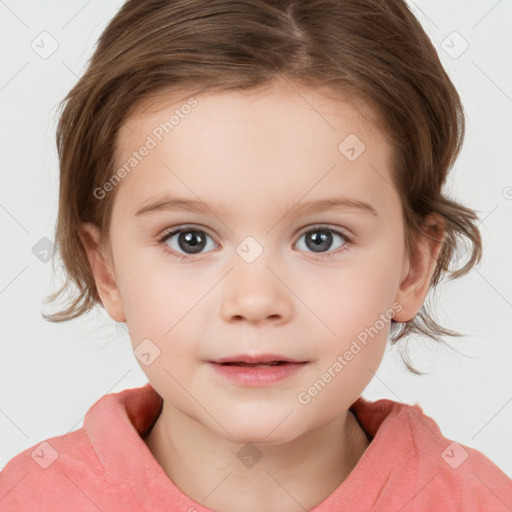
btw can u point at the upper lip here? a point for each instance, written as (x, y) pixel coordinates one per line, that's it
(258, 358)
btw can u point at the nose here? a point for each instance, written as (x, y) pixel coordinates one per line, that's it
(256, 293)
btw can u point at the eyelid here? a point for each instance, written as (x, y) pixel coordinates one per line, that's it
(349, 239)
(325, 256)
(342, 231)
(184, 227)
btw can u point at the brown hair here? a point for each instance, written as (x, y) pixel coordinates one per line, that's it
(374, 51)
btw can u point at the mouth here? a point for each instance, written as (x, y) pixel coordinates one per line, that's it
(256, 361)
(257, 370)
(256, 365)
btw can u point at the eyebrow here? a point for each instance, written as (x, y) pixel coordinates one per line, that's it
(170, 202)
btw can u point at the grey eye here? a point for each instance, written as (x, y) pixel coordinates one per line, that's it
(321, 239)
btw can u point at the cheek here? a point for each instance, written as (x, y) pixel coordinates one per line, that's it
(158, 302)
(356, 302)
(161, 310)
(356, 305)
(354, 296)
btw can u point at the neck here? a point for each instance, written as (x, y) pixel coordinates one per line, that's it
(224, 475)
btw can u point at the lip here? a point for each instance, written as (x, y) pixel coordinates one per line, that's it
(255, 359)
(257, 377)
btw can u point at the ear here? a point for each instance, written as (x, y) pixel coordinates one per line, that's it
(103, 273)
(419, 268)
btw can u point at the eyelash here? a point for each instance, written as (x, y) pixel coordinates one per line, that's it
(321, 227)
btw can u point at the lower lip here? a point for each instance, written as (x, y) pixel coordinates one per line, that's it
(257, 377)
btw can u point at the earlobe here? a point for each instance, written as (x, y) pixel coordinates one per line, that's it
(418, 269)
(103, 273)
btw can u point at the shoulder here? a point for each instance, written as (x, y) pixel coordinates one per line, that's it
(95, 467)
(420, 469)
(454, 473)
(50, 474)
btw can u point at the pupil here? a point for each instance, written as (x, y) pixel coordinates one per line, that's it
(193, 239)
(322, 239)
(318, 240)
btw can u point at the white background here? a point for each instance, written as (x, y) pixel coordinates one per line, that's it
(50, 374)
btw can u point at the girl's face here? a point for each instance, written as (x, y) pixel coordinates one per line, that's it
(272, 266)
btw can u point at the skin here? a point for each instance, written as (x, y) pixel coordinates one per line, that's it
(258, 152)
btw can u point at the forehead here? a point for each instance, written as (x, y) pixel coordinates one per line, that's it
(280, 141)
(321, 104)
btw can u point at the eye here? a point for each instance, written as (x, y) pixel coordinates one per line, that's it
(319, 239)
(190, 239)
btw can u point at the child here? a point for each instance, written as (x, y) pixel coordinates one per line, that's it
(300, 149)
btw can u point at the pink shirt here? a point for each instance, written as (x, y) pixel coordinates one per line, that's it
(106, 466)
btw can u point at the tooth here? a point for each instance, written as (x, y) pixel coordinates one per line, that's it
(258, 365)
(255, 365)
